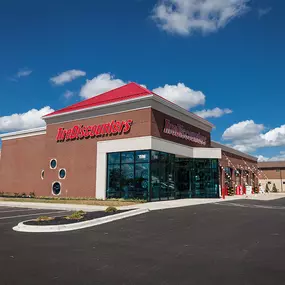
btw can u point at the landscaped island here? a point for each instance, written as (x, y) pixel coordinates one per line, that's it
(76, 217)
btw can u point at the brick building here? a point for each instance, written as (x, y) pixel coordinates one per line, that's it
(272, 173)
(125, 143)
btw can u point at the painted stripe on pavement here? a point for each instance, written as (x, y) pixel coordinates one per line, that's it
(45, 213)
(18, 210)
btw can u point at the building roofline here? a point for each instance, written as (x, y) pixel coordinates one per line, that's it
(182, 110)
(271, 164)
(23, 133)
(233, 151)
(46, 117)
(152, 96)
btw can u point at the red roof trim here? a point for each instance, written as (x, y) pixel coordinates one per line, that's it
(123, 93)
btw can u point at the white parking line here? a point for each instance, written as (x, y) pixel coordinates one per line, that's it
(17, 210)
(252, 206)
(39, 214)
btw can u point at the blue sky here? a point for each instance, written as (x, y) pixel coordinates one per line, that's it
(226, 54)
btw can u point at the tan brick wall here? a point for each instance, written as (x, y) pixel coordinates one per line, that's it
(273, 174)
(21, 163)
(278, 182)
(23, 159)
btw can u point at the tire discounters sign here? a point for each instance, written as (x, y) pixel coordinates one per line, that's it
(84, 132)
(180, 132)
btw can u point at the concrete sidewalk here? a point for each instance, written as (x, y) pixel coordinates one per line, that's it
(152, 206)
(160, 205)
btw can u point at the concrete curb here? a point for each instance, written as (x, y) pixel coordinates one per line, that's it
(51, 206)
(21, 227)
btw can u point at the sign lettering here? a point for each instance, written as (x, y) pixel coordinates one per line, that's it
(180, 132)
(83, 132)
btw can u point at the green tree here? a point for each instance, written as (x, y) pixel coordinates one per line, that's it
(274, 188)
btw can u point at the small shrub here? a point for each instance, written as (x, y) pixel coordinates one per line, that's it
(23, 195)
(76, 215)
(44, 218)
(1, 194)
(32, 195)
(111, 210)
(16, 194)
(231, 191)
(256, 190)
(267, 188)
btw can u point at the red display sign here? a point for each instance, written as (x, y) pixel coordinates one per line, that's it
(180, 132)
(80, 131)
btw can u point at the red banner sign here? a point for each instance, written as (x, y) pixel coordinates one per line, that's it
(80, 132)
(180, 132)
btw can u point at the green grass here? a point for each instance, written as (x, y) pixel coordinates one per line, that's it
(77, 201)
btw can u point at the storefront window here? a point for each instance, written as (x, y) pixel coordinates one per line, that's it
(154, 175)
(162, 176)
(114, 187)
(142, 156)
(127, 180)
(155, 180)
(127, 157)
(154, 156)
(142, 180)
(114, 158)
(196, 178)
(128, 175)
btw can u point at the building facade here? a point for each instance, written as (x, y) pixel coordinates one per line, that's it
(237, 168)
(272, 175)
(125, 143)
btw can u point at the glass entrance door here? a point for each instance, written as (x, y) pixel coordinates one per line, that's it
(183, 180)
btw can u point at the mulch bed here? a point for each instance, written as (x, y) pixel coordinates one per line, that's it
(62, 221)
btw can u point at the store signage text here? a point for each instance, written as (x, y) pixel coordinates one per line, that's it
(83, 132)
(178, 130)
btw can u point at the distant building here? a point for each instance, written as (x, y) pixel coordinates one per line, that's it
(236, 168)
(272, 172)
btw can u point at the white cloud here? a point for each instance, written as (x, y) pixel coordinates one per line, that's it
(248, 136)
(263, 11)
(214, 113)
(68, 94)
(262, 158)
(67, 76)
(242, 130)
(181, 95)
(28, 120)
(275, 136)
(184, 17)
(280, 156)
(100, 84)
(23, 72)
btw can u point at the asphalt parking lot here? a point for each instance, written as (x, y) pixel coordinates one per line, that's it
(231, 243)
